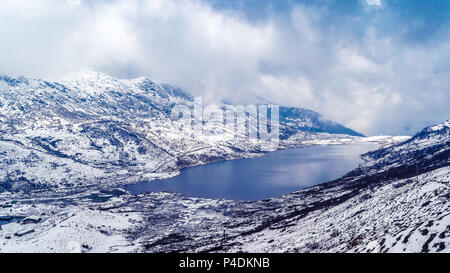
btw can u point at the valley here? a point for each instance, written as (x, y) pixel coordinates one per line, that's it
(69, 149)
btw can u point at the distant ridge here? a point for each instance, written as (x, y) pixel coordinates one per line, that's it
(91, 127)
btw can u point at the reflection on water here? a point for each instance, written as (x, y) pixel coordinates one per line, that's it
(274, 174)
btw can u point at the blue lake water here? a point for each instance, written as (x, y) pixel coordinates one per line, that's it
(258, 178)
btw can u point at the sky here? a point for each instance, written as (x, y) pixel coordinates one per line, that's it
(376, 66)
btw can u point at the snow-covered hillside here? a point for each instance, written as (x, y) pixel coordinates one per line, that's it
(385, 205)
(92, 129)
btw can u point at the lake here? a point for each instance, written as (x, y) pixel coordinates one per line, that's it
(271, 175)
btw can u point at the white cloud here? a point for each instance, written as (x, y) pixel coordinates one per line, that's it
(74, 2)
(371, 82)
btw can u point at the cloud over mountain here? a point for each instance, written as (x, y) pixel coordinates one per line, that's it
(364, 63)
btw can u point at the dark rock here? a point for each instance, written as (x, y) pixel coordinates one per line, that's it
(24, 232)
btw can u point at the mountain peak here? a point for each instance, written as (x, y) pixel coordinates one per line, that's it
(86, 75)
(13, 81)
(442, 126)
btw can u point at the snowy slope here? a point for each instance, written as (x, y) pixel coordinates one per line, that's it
(382, 206)
(385, 205)
(92, 128)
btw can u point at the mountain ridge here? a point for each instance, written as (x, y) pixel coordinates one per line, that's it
(92, 127)
(375, 208)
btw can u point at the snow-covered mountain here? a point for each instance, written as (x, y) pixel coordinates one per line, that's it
(91, 128)
(67, 147)
(293, 120)
(385, 205)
